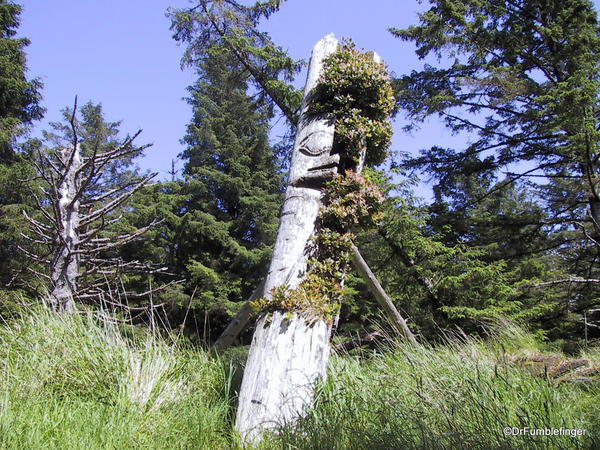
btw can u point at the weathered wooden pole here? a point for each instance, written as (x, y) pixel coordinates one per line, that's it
(308, 145)
(288, 355)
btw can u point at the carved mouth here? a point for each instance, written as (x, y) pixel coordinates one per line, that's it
(332, 165)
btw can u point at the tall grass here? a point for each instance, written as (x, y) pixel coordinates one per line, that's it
(69, 382)
(460, 395)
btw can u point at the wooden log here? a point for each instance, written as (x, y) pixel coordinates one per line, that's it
(288, 355)
(382, 298)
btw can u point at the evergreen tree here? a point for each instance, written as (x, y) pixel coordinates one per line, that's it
(521, 78)
(233, 25)
(234, 190)
(19, 102)
(523, 81)
(19, 108)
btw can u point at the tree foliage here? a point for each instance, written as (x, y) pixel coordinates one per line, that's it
(520, 78)
(19, 102)
(232, 187)
(232, 25)
(19, 108)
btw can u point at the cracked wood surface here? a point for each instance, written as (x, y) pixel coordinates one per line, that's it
(288, 355)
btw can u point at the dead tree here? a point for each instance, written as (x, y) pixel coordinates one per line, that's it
(75, 213)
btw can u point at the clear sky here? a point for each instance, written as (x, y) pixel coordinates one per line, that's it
(121, 53)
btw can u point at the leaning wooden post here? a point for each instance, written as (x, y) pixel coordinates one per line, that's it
(237, 324)
(382, 298)
(288, 355)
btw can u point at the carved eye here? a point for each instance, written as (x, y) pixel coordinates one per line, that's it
(312, 152)
(315, 143)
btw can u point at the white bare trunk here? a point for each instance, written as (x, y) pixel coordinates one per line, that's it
(287, 355)
(64, 268)
(287, 358)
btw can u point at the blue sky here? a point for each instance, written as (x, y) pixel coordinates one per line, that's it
(121, 53)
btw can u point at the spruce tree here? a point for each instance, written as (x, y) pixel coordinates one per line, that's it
(19, 102)
(520, 78)
(19, 108)
(233, 186)
(234, 26)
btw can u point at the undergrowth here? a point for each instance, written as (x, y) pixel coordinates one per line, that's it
(72, 382)
(69, 382)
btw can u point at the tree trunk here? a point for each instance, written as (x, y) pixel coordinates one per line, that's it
(64, 268)
(237, 324)
(382, 298)
(594, 203)
(288, 355)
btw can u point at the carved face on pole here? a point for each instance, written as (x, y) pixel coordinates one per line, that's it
(313, 161)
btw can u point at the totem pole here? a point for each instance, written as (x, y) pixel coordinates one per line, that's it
(288, 355)
(348, 96)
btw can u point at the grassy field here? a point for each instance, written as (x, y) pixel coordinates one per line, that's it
(71, 383)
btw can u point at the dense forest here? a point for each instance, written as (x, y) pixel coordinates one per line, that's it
(510, 240)
(511, 231)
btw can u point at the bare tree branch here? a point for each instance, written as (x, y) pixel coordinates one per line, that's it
(115, 203)
(564, 281)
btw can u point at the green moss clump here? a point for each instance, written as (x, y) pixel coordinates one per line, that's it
(349, 201)
(358, 92)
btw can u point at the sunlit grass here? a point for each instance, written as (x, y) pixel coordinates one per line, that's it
(69, 382)
(460, 395)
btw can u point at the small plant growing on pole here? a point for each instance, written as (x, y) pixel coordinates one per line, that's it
(349, 201)
(356, 89)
